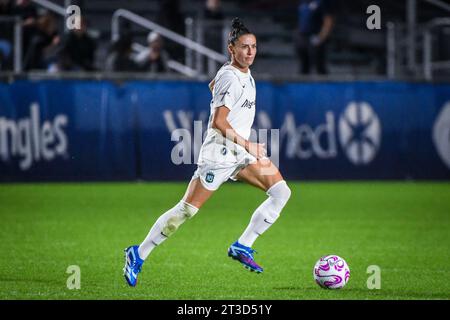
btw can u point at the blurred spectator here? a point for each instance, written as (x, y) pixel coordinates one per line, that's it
(120, 57)
(213, 16)
(315, 23)
(154, 58)
(170, 17)
(26, 10)
(6, 35)
(5, 7)
(77, 50)
(43, 44)
(213, 10)
(5, 53)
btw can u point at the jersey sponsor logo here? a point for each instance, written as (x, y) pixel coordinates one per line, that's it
(441, 134)
(31, 140)
(248, 104)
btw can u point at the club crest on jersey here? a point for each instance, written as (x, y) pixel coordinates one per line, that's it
(209, 177)
(248, 104)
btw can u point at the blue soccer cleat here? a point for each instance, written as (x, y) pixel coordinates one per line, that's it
(133, 265)
(244, 255)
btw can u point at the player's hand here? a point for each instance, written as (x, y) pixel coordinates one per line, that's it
(258, 150)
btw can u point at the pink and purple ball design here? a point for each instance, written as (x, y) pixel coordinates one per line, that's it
(331, 272)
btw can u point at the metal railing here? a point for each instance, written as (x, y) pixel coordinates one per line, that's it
(391, 50)
(171, 64)
(18, 29)
(398, 55)
(213, 56)
(398, 50)
(439, 4)
(428, 64)
(195, 30)
(17, 40)
(400, 47)
(174, 65)
(62, 11)
(51, 6)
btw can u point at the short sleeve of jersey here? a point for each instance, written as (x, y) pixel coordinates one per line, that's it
(227, 91)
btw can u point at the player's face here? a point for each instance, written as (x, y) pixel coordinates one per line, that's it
(244, 50)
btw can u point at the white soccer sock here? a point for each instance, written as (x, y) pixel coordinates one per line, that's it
(267, 213)
(165, 226)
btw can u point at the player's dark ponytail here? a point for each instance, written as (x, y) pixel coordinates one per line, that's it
(237, 29)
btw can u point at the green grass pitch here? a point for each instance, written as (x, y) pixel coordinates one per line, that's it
(402, 227)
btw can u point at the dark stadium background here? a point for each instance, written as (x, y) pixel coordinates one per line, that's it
(86, 149)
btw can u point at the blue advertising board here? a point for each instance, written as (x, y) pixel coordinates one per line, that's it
(74, 130)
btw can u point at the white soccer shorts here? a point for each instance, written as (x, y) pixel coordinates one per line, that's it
(213, 174)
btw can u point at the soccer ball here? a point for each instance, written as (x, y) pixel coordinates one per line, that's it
(331, 272)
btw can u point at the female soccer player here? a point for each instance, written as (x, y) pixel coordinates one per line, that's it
(226, 153)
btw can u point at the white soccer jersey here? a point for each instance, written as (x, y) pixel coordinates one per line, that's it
(236, 91)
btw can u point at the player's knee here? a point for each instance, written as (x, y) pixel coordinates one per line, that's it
(188, 209)
(183, 212)
(281, 192)
(287, 193)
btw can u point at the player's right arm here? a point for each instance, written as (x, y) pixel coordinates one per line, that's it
(221, 123)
